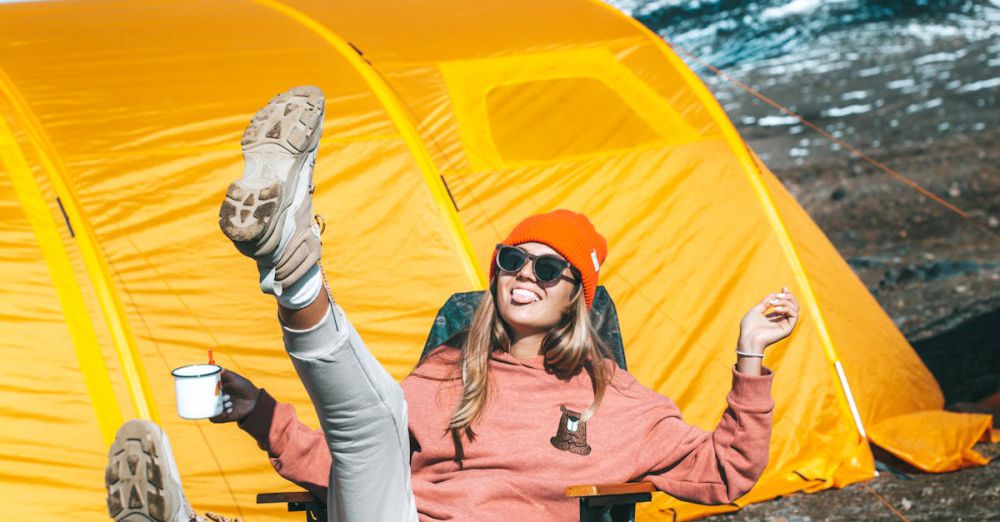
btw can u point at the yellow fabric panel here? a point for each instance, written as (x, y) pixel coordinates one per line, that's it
(57, 405)
(95, 266)
(391, 32)
(907, 421)
(865, 340)
(645, 60)
(152, 55)
(933, 440)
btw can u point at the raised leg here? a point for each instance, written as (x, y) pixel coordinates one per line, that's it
(363, 414)
(267, 214)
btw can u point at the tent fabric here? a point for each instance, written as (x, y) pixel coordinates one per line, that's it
(447, 123)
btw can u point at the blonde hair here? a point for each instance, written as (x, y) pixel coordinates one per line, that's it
(571, 346)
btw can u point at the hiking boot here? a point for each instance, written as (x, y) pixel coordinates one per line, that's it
(141, 477)
(267, 213)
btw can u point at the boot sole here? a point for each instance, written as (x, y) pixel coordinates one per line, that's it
(135, 475)
(289, 125)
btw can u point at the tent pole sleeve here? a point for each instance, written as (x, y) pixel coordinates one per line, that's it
(850, 398)
(397, 113)
(93, 258)
(751, 169)
(88, 352)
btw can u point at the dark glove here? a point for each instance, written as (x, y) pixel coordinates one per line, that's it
(239, 397)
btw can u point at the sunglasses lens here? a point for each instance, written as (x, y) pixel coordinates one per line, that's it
(510, 259)
(548, 269)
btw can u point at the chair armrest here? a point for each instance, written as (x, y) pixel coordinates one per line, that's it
(286, 497)
(296, 501)
(599, 490)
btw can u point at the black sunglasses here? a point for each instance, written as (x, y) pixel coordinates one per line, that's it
(547, 268)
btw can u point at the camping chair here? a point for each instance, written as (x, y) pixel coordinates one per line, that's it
(598, 503)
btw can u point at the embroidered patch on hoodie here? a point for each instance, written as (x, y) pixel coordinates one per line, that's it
(571, 435)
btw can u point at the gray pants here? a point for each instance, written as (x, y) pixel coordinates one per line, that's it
(363, 414)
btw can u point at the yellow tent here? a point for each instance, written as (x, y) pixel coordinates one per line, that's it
(447, 122)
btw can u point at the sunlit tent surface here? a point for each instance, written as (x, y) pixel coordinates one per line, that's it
(447, 122)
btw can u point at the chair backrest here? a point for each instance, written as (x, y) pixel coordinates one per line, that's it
(457, 313)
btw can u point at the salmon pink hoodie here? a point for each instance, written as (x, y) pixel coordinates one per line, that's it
(529, 443)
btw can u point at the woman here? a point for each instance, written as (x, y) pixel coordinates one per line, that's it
(525, 403)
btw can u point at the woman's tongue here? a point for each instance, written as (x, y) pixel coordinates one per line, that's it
(521, 296)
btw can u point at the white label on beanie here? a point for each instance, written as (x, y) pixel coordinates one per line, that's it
(593, 257)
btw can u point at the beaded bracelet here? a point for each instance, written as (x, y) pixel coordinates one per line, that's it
(747, 354)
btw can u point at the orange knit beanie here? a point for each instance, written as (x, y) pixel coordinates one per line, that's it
(572, 235)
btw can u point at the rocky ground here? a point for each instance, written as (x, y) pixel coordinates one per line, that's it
(971, 495)
(924, 102)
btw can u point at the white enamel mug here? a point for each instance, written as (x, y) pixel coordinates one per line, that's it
(199, 390)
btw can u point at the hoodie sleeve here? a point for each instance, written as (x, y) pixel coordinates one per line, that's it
(713, 467)
(297, 453)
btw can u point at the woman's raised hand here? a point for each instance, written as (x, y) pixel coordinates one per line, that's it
(769, 321)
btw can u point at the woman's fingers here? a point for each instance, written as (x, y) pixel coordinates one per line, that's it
(778, 306)
(780, 310)
(785, 305)
(782, 306)
(785, 301)
(765, 303)
(789, 299)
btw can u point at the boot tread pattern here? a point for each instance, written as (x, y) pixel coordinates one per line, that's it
(291, 120)
(134, 478)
